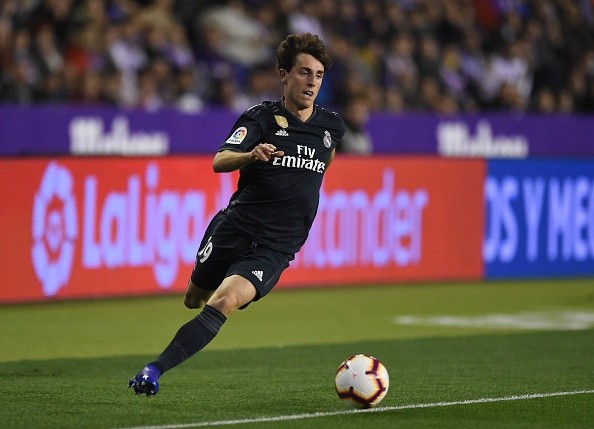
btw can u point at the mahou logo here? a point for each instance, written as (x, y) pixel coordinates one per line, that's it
(55, 227)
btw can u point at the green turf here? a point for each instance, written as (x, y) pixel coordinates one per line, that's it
(66, 364)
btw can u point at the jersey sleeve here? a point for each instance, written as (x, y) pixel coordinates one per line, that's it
(333, 122)
(247, 133)
(340, 128)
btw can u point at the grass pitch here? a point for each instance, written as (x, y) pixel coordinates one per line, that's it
(501, 355)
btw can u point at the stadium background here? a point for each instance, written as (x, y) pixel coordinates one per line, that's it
(480, 119)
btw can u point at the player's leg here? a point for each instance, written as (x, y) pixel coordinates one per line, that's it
(188, 340)
(196, 297)
(260, 266)
(234, 292)
(217, 251)
(192, 337)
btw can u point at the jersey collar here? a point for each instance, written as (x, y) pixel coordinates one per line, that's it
(281, 105)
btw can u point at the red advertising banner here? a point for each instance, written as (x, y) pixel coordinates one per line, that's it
(95, 227)
(395, 219)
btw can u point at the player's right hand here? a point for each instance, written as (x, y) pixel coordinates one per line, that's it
(265, 152)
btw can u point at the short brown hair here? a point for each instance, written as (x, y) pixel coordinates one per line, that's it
(304, 43)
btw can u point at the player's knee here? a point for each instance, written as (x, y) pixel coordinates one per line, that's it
(195, 297)
(193, 301)
(226, 303)
(235, 292)
(190, 302)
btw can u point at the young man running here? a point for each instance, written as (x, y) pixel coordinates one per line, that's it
(282, 150)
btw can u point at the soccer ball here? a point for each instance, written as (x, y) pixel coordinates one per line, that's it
(361, 381)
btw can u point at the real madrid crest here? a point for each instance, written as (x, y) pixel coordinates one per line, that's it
(281, 121)
(327, 139)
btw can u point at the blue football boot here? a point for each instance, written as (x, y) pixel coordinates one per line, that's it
(145, 382)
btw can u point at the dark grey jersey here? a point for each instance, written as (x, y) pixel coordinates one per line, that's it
(276, 202)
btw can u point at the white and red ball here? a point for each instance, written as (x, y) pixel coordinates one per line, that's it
(362, 381)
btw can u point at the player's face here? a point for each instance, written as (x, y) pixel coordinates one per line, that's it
(303, 82)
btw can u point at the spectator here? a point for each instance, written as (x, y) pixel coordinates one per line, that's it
(244, 40)
(429, 94)
(128, 56)
(545, 101)
(211, 64)
(187, 98)
(509, 69)
(564, 103)
(91, 90)
(400, 62)
(304, 18)
(356, 139)
(16, 87)
(48, 56)
(429, 56)
(226, 95)
(450, 73)
(178, 51)
(262, 85)
(482, 55)
(149, 98)
(393, 101)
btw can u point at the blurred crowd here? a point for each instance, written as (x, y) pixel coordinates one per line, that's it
(444, 56)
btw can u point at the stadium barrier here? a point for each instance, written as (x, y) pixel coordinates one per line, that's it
(539, 219)
(80, 227)
(86, 130)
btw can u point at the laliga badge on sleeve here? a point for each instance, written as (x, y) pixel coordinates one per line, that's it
(238, 136)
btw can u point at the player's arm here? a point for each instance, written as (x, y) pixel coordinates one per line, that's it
(229, 160)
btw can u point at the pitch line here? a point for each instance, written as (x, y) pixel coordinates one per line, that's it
(369, 410)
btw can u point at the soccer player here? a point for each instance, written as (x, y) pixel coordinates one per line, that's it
(282, 150)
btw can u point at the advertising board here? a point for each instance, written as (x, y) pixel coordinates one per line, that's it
(88, 130)
(112, 226)
(539, 219)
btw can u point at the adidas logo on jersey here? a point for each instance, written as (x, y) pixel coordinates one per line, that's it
(282, 133)
(258, 274)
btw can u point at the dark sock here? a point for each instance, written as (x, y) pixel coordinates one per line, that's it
(191, 338)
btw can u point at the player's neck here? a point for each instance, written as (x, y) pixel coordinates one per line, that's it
(301, 114)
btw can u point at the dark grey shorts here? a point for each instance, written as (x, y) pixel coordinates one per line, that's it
(224, 252)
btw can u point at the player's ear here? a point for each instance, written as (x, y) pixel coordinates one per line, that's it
(283, 75)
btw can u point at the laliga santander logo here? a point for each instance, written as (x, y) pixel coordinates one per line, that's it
(55, 227)
(133, 223)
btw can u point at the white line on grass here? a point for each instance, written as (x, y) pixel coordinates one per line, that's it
(370, 410)
(529, 320)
